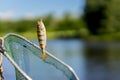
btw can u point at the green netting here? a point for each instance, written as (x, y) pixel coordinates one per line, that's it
(28, 57)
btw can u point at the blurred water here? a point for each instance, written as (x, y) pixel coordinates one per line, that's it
(102, 60)
(69, 51)
(90, 60)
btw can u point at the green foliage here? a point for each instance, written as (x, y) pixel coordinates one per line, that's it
(67, 26)
(94, 14)
(25, 25)
(17, 26)
(113, 16)
(69, 23)
(102, 18)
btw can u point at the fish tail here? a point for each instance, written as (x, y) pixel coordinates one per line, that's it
(44, 55)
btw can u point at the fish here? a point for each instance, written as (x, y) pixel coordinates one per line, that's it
(2, 45)
(1, 51)
(41, 34)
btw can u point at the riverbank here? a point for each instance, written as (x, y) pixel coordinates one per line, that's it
(50, 34)
(70, 34)
(104, 37)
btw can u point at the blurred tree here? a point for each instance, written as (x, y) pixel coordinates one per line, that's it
(25, 25)
(68, 22)
(48, 19)
(102, 16)
(112, 22)
(49, 22)
(94, 14)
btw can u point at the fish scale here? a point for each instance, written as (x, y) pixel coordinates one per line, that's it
(41, 33)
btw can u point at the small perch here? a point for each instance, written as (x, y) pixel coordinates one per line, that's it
(41, 33)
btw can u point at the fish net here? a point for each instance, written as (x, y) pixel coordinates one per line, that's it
(27, 55)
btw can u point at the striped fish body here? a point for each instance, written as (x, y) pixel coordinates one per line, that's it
(1, 51)
(1, 45)
(41, 33)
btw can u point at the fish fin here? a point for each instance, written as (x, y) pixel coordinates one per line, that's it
(44, 56)
(45, 46)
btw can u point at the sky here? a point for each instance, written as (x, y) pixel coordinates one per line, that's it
(12, 9)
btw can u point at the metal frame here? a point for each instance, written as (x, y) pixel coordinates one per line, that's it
(21, 71)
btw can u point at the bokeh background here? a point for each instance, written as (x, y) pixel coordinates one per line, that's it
(59, 17)
(83, 33)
